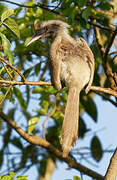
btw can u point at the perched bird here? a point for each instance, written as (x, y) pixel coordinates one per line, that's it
(72, 65)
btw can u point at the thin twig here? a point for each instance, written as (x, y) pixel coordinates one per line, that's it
(13, 68)
(101, 27)
(48, 116)
(108, 99)
(33, 6)
(9, 74)
(3, 98)
(114, 52)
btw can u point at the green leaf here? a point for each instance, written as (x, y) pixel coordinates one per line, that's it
(1, 97)
(44, 104)
(105, 6)
(22, 178)
(86, 13)
(12, 174)
(46, 89)
(27, 72)
(2, 9)
(7, 177)
(12, 25)
(72, 15)
(82, 3)
(16, 141)
(27, 94)
(50, 90)
(32, 123)
(37, 68)
(77, 178)
(96, 148)
(90, 107)
(6, 47)
(1, 158)
(82, 128)
(20, 98)
(43, 165)
(6, 14)
(37, 90)
(7, 137)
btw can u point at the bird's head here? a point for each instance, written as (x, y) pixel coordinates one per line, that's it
(49, 28)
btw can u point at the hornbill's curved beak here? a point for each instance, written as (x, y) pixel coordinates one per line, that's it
(38, 35)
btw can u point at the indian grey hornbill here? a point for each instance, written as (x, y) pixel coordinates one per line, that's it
(72, 64)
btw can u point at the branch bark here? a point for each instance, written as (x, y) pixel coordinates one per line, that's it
(111, 173)
(93, 88)
(45, 144)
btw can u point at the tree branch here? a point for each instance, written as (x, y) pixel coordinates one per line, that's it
(33, 6)
(4, 82)
(93, 88)
(45, 144)
(107, 98)
(104, 54)
(104, 90)
(112, 169)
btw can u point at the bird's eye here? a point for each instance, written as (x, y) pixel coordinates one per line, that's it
(46, 28)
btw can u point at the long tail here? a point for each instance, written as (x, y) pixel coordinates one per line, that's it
(70, 122)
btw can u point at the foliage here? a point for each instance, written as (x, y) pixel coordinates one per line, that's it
(30, 105)
(11, 176)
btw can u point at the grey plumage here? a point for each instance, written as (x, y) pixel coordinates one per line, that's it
(72, 64)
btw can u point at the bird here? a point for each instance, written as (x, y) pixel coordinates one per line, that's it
(71, 65)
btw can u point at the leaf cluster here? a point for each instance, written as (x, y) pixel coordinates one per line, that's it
(11, 176)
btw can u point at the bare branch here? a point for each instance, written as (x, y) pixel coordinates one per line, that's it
(4, 82)
(45, 144)
(94, 88)
(48, 116)
(104, 90)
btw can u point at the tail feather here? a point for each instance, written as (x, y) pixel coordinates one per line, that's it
(70, 122)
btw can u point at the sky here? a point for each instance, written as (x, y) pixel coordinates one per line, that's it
(105, 129)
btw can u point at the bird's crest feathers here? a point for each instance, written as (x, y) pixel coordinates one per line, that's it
(55, 22)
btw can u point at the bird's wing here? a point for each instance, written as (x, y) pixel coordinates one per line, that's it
(82, 44)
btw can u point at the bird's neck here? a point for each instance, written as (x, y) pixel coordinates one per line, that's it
(65, 37)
